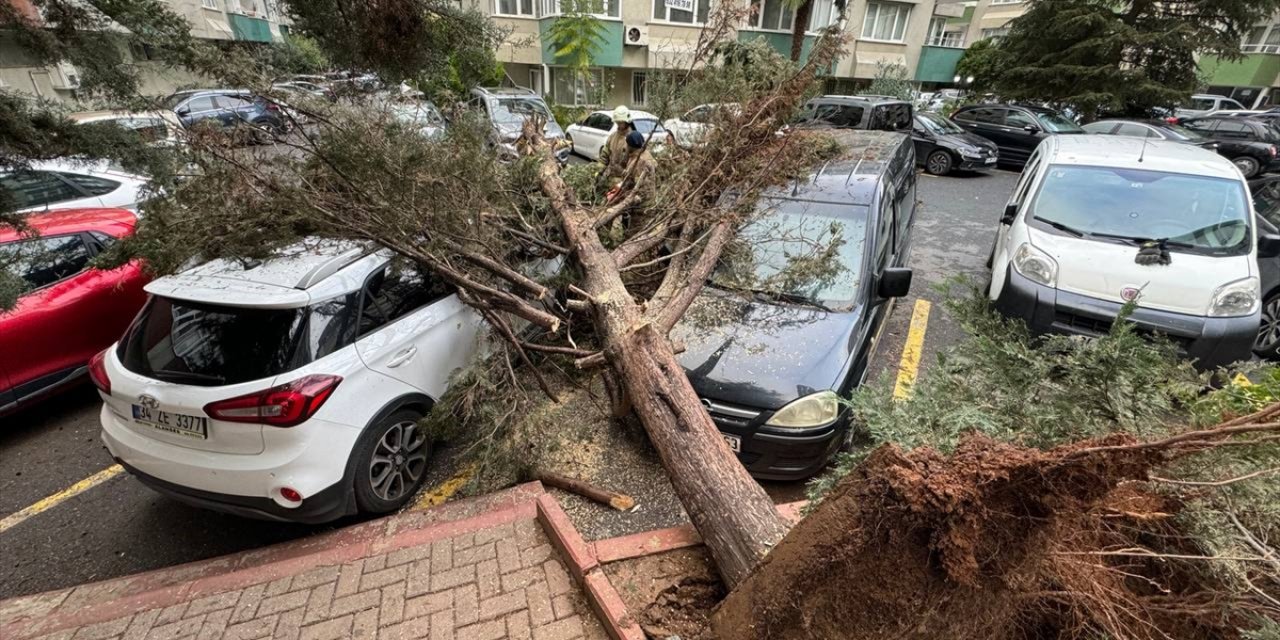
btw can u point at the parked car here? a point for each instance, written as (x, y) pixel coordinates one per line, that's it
(588, 137)
(1266, 202)
(288, 389)
(1249, 143)
(942, 147)
(308, 89)
(1066, 257)
(881, 113)
(1203, 103)
(1151, 130)
(229, 108)
(689, 129)
(68, 311)
(422, 116)
(771, 357)
(508, 108)
(159, 127)
(1016, 129)
(66, 184)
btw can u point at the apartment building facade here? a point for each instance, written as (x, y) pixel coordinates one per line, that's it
(644, 35)
(222, 21)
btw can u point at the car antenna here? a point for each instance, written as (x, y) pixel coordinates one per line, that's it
(1143, 154)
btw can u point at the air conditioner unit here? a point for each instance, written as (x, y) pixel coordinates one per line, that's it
(636, 35)
(66, 76)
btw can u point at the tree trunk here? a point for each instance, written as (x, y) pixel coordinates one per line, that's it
(799, 27)
(736, 518)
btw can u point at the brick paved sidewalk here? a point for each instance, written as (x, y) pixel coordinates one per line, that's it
(420, 575)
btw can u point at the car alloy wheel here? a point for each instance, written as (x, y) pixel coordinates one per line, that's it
(1248, 166)
(399, 461)
(1267, 344)
(939, 163)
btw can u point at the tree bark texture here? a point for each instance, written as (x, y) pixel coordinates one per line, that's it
(799, 28)
(736, 518)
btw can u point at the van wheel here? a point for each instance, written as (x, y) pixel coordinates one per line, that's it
(391, 462)
(939, 163)
(1248, 166)
(1267, 344)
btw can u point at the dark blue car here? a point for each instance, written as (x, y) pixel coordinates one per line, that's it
(230, 107)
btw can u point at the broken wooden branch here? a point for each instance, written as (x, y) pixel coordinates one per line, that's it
(618, 501)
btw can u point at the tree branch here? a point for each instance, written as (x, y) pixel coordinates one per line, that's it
(669, 313)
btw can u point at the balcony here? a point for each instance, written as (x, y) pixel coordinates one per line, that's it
(938, 64)
(247, 28)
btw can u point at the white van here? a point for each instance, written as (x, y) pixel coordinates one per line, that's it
(1066, 256)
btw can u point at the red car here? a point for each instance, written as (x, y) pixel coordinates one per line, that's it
(69, 311)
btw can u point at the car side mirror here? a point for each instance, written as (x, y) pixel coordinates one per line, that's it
(184, 111)
(895, 282)
(1010, 212)
(1268, 245)
(1031, 128)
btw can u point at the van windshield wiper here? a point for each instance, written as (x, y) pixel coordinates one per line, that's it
(791, 298)
(1061, 227)
(1137, 240)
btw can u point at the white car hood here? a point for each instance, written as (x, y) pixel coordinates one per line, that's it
(1102, 270)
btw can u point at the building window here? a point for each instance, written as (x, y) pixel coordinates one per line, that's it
(514, 8)
(770, 14)
(886, 21)
(576, 88)
(209, 4)
(1262, 39)
(695, 14)
(995, 34)
(639, 87)
(598, 8)
(823, 15)
(940, 37)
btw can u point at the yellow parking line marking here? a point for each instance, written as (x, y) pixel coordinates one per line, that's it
(909, 367)
(54, 500)
(443, 491)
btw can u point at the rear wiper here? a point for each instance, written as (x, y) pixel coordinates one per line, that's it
(177, 376)
(1061, 227)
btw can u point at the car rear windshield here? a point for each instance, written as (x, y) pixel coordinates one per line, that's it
(1194, 213)
(1058, 124)
(212, 345)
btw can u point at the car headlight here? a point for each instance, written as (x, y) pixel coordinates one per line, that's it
(1239, 298)
(813, 410)
(1035, 265)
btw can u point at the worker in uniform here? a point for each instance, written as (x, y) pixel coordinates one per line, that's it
(614, 154)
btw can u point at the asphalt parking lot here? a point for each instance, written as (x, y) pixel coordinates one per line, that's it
(64, 520)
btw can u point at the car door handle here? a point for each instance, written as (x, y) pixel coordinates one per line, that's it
(402, 357)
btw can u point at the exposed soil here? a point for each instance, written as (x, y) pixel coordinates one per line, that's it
(994, 541)
(670, 594)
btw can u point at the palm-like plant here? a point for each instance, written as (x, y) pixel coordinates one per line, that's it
(803, 9)
(577, 35)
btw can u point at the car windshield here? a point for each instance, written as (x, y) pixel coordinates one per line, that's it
(425, 113)
(213, 345)
(1195, 213)
(1179, 132)
(798, 252)
(937, 124)
(174, 100)
(1058, 124)
(646, 126)
(518, 109)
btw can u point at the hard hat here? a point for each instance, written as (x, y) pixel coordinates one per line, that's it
(622, 114)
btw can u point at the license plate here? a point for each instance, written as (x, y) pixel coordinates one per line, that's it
(181, 424)
(734, 442)
(990, 160)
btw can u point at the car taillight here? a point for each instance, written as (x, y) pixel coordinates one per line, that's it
(1273, 151)
(98, 372)
(286, 405)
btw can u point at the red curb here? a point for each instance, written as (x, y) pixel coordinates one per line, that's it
(610, 608)
(647, 543)
(565, 536)
(172, 585)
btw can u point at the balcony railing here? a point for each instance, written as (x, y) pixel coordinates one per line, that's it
(1260, 48)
